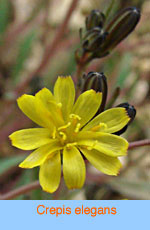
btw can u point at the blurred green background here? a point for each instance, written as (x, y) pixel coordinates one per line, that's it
(27, 28)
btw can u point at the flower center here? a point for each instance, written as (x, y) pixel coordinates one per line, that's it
(66, 134)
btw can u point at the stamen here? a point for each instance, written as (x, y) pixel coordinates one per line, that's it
(54, 133)
(100, 127)
(75, 116)
(64, 136)
(70, 145)
(65, 126)
(77, 128)
(92, 146)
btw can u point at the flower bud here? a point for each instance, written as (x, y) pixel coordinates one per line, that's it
(94, 19)
(98, 39)
(119, 28)
(131, 111)
(98, 82)
(93, 39)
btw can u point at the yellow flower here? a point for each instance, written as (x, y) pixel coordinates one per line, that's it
(67, 132)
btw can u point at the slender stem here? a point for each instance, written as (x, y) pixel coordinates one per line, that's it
(77, 77)
(19, 191)
(139, 143)
(50, 48)
(79, 69)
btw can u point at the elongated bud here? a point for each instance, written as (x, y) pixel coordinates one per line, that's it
(98, 82)
(131, 113)
(94, 19)
(93, 39)
(98, 39)
(120, 27)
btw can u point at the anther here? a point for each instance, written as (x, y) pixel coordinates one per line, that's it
(65, 126)
(54, 133)
(70, 145)
(75, 116)
(92, 146)
(103, 126)
(77, 128)
(64, 137)
(100, 127)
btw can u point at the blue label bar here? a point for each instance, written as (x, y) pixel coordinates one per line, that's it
(74, 215)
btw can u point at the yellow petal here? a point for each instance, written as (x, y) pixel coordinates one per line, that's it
(45, 95)
(87, 105)
(33, 108)
(109, 144)
(106, 164)
(38, 157)
(73, 168)
(28, 139)
(50, 173)
(115, 119)
(50, 104)
(64, 93)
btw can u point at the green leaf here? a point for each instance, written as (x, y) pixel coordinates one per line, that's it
(23, 54)
(10, 162)
(134, 189)
(109, 8)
